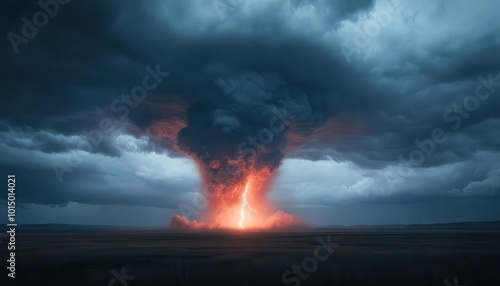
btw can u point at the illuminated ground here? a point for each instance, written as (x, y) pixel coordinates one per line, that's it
(399, 256)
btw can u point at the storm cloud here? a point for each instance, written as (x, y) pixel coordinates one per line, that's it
(411, 116)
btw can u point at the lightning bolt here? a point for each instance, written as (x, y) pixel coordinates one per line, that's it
(245, 205)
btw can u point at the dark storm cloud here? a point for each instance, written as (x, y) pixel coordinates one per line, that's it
(43, 141)
(234, 81)
(99, 179)
(230, 73)
(71, 65)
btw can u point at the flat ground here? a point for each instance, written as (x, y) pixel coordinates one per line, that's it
(409, 256)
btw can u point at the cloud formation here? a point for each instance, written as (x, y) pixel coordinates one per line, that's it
(429, 67)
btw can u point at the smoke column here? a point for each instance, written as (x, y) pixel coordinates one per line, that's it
(238, 139)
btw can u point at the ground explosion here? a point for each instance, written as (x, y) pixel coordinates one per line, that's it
(238, 139)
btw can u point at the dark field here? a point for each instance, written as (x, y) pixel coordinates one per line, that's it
(392, 256)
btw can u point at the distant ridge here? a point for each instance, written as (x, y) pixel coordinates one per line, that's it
(471, 224)
(71, 228)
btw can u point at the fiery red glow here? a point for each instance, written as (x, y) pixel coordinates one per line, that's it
(239, 203)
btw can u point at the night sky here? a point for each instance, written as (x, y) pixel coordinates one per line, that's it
(395, 106)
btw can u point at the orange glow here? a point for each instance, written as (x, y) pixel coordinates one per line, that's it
(237, 199)
(239, 203)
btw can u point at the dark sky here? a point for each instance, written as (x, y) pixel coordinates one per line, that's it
(400, 103)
